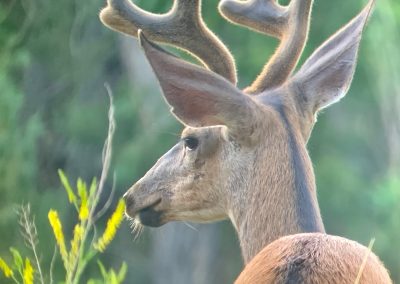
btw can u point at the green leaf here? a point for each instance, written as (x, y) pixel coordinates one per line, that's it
(113, 277)
(122, 272)
(67, 186)
(93, 187)
(82, 190)
(18, 261)
(102, 269)
(81, 185)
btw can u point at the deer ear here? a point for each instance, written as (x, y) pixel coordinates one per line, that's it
(327, 74)
(198, 97)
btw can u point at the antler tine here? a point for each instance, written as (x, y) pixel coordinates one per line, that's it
(289, 23)
(182, 27)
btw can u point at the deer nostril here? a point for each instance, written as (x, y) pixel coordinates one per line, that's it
(129, 202)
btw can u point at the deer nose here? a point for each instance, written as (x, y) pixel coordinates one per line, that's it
(129, 202)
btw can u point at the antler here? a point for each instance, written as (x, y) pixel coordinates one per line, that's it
(182, 27)
(288, 23)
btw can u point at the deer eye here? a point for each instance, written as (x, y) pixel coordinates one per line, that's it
(191, 143)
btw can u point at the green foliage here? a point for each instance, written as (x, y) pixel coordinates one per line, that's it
(18, 137)
(110, 276)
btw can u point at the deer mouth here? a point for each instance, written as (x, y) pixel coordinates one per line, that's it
(149, 216)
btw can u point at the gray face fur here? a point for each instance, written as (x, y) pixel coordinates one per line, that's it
(183, 184)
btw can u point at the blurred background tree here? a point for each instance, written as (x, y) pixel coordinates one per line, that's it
(54, 61)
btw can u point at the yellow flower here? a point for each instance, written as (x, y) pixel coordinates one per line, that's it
(75, 243)
(28, 272)
(112, 225)
(5, 268)
(84, 208)
(58, 234)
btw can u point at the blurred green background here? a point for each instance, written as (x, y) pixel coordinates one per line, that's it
(55, 57)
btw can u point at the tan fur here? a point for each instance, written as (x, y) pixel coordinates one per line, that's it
(244, 157)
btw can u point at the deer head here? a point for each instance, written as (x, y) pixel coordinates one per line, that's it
(243, 153)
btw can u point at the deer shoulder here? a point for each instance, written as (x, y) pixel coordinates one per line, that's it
(315, 259)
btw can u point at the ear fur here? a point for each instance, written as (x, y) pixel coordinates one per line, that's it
(198, 97)
(327, 74)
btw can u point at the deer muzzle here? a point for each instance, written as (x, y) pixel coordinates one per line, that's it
(143, 207)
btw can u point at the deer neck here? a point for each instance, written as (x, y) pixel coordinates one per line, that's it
(279, 201)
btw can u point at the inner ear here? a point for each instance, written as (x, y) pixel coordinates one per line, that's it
(197, 96)
(327, 74)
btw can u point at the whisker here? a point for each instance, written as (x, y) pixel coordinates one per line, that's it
(136, 229)
(190, 226)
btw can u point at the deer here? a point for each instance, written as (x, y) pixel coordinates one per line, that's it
(242, 154)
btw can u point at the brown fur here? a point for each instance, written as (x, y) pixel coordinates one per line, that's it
(250, 163)
(315, 259)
